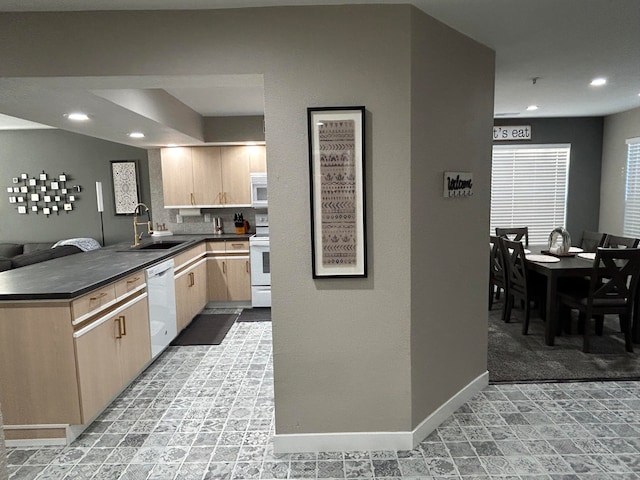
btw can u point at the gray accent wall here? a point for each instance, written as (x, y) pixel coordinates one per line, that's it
(350, 354)
(85, 160)
(617, 129)
(585, 136)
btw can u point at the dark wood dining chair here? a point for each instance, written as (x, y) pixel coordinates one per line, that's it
(613, 283)
(496, 272)
(591, 240)
(515, 234)
(516, 275)
(614, 241)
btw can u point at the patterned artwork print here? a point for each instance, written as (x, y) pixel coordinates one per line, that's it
(338, 192)
(125, 187)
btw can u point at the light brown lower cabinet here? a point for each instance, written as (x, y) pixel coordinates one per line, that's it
(191, 293)
(110, 352)
(62, 362)
(229, 278)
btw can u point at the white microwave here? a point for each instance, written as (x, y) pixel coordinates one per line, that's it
(259, 190)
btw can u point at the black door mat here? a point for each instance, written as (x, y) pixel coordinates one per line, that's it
(256, 314)
(205, 329)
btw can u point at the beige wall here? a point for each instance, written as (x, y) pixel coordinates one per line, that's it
(343, 353)
(3, 454)
(453, 78)
(617, 129)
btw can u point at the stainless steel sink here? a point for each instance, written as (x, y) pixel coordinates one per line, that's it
(159, 245)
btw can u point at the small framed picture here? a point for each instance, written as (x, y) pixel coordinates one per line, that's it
(57, 198)
(9, 189)
(13, 199)
(47, 198)
(22, 209)
(32, 182)
(24, 189)
(34, 208)
(20, 199)
(68, 206)
(43, 188)
(62, 178)
(46, 211)
(54, 186)
(14, 180)
(72, 198)
(24, 176)
(16, 189)
(35, 197)
(43, 176)
(63, 191)
(54, 208)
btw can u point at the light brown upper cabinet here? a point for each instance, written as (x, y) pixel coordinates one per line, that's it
(207, 176)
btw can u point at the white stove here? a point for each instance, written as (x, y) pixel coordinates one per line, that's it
(260, 264)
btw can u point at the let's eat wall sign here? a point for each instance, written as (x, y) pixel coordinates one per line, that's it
(511, 132)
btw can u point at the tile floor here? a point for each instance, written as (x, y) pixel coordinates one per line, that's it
(207, 413)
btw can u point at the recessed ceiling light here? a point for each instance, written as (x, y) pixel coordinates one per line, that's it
(598, 82)
(77, 116)
(531, 108)
(172, 145)
(136, 135)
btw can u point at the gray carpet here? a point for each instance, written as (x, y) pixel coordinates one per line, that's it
(513, 357)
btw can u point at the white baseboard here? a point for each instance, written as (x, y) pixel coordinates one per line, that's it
(434, 420)
(362, 441)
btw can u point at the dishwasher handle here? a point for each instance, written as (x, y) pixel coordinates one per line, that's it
(160, 269)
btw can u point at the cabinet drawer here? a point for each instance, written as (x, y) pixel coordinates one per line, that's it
(92, 301)
(185, 257)
(128, 284)
(237, 246)
(215, 246)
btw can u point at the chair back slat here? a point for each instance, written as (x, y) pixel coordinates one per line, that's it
(615, 274)
(591, 240)
(614, 241)
(514, 264)
(516, 234)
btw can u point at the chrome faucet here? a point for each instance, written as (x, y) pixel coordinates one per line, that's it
(137, 236)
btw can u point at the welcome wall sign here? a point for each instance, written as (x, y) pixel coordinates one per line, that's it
(458, 184)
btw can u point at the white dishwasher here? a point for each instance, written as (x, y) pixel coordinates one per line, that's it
(161, 295)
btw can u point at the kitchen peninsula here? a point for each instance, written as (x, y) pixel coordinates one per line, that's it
(75, 331)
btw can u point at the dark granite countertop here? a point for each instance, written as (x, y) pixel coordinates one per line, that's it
(74, 275)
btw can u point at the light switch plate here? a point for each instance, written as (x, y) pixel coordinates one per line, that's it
(207, 217)
(178, 218)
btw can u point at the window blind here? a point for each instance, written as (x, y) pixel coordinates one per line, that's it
(529, 188)
(632, 190)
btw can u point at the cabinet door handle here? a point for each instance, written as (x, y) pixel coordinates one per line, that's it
(133, 280)
(224, 267)
(192, 279)
(98, 297)
(220, 197)
(193, 199)
(237, 245)
(225, 197)
(124, 324)
(247, 264)
(117, 320)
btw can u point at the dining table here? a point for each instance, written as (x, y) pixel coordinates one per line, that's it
(553, 269)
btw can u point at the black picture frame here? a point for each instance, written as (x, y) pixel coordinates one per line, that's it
(337, 187)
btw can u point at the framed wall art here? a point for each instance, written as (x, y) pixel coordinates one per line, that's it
(124, 176)
(337, 181)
